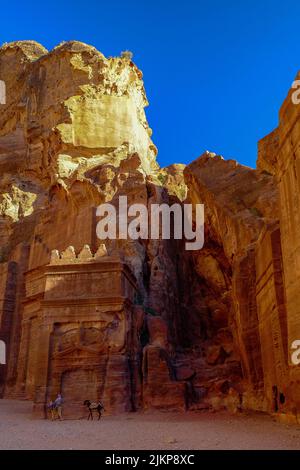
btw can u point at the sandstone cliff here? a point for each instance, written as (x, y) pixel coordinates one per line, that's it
(204, 329)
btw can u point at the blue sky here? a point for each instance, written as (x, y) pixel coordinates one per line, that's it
(216, 72)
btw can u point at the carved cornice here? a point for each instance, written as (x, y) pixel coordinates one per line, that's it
(99, 301)
(104, 265)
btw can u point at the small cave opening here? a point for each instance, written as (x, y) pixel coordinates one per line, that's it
(281, 398)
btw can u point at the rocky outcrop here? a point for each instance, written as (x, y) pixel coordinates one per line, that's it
(73, 134)
(239, 202)
(285, 166)
(206, 329)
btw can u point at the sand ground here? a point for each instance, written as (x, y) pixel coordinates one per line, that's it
(149, 431)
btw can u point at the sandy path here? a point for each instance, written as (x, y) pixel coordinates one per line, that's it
(144, 431)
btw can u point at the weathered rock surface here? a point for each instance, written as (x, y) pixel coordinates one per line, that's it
(73, 134)
(138, 323)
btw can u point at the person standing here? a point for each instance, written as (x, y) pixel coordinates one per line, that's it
(58, 405)
(51, 408)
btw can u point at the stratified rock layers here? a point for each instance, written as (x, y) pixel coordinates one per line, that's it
(138, 323)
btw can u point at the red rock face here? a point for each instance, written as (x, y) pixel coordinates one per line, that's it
(138, 324)
(285, 166)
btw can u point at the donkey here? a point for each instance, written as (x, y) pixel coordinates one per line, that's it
(93, 406)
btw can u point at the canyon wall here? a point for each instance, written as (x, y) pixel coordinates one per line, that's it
(144, 323)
